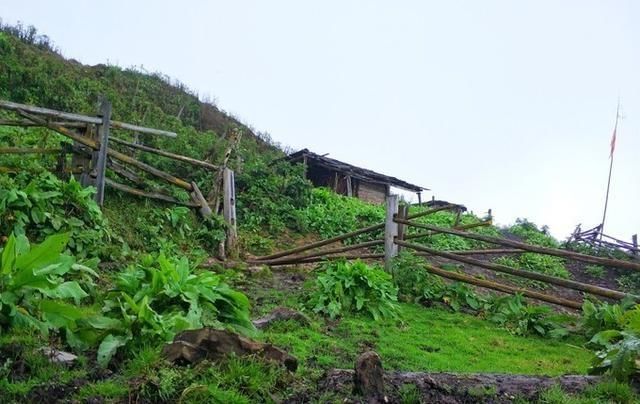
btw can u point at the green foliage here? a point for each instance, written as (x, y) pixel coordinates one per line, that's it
(598, 316)
(530, 233)
(604, 392)
(510, 312)
(43, 205)
(521, 318)
(596, 271)
(614, 331)
(35, 289)
(159, 297)
(617, 354)
(269, 195)
(330, 214)
(630, 283)
(544, 264)
(344, 287)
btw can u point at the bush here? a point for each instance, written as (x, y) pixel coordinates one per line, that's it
(330, 214)
(159, 297)
(521, 318)
(36, 285)
(344, 287)
(270, 195)
(43, 205)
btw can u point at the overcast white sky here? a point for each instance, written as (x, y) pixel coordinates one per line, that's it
(494, 104)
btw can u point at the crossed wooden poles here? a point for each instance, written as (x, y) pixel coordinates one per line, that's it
(395, 236)
(92, 155)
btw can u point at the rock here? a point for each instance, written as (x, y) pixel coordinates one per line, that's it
(195, 345)
(281, 314)
(59, 357)
(369, 378)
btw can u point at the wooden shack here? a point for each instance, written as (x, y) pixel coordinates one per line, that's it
(349, 180)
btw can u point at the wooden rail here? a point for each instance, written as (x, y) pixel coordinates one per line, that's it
(503, 288)
(52, 113)
(583, 287)
(529, 247)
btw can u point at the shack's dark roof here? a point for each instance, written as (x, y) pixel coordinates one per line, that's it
(353, 171)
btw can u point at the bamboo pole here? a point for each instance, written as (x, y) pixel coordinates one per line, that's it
(503, 288)
(113, 153)
(529, 247)
(165, 154)
(152, 195)
(293, 260)
(583, 287)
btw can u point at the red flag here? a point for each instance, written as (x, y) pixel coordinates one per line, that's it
(613, 142)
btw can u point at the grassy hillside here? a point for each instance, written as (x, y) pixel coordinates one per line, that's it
(114, 284)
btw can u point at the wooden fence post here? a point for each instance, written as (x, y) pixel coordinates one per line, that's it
(634, 240)
(403, 212)
(103, 136)
(390, 232)
(229, 211)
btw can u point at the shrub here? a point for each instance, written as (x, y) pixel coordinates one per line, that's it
(330, 214)
(597, 271)
(344, 287)
(36, 285)
(521, 318)
(270, 195)
(43, 205)
(530, 233)
(598, 317)
(159, 297)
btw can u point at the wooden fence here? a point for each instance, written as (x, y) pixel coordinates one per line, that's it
(396, 236)
(93, 154)
(599, 241)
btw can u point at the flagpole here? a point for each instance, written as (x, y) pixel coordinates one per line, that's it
(606, 200)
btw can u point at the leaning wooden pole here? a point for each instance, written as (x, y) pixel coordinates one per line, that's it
(583, 287)
(111, 152)
(344, 236)
(298, 259)
(321, 243)
(503, 288)
(177, 157)
(431, 211)
(529, 247)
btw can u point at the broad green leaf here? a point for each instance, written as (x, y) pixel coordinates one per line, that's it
(108, 348)
(43, 254)
(69, 290)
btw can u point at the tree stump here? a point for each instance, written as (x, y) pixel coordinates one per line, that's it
(369, 378)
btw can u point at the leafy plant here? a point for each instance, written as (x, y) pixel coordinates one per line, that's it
(354, 287)
(617, 354)
(159, 297)
(596, 271)
(43, 205)
(34, 285)
(603, 316)
(521, 318)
